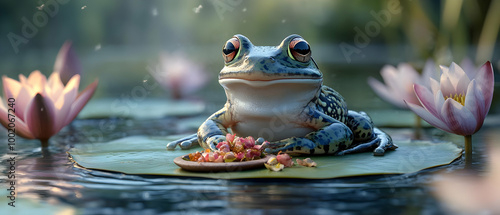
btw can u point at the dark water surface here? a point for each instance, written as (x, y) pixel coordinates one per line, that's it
(49, 177)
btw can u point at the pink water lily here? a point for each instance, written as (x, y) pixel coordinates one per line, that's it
(177, 74)
(399, 83)
(42, 107)
(456, 104)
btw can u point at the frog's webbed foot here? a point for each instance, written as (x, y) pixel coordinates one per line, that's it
(366, 136)
(379, 145)
(183, 143)
(211, 142)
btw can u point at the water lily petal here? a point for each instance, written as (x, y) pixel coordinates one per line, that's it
(22, 79)
(406, 78)
(485, 81)
(390, 75)
(20, 128)
(458, 75)
(382, 91)
(36, 80)
(11, 87)
(427, 99)
(80, 101)
(444, 69)
(177, 74)
(40, 117)
(428, 117)
(474, 102)
(22, 100)
(446, 84)
(435, 86)
(67, 64)
(438, 103)
(64, 102)
(458, 118)
(54, 87)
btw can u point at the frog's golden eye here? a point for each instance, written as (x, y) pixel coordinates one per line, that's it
(299, 50)
(230, 49)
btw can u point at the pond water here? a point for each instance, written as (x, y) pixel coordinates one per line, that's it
(49, 177)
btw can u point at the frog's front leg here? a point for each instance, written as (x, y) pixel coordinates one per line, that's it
(212, 131)
(331, 137)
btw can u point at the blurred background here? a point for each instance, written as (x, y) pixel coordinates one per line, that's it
(118, 40)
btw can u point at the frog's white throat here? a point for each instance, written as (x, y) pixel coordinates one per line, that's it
(271, 93)
(263, 105)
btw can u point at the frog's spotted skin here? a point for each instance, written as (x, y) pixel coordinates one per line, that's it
(277, 93)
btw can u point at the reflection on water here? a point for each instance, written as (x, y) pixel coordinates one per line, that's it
(50, 177)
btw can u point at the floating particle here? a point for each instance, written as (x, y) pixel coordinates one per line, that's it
(197, 9)
(244, 9)
(40, 7)
(83, 8)
(97, 47)
(154, 12)
(283, 20)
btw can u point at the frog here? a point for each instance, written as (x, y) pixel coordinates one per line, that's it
(276, 94)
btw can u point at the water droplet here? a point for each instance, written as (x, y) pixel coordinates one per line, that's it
(97, 47)
(154, 12)
(244, 9)
(40, 7)
(83, 8)
(197, 9)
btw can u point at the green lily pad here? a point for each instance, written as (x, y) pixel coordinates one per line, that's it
(141, 109)
(148, 156)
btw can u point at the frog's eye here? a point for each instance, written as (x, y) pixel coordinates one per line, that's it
(299, 50)
(230, 50)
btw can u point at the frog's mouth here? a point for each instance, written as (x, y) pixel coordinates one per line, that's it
(227, 82)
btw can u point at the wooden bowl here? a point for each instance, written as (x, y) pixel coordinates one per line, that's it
(219, 167)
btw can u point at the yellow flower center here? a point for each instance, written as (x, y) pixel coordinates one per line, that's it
(460, 98)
